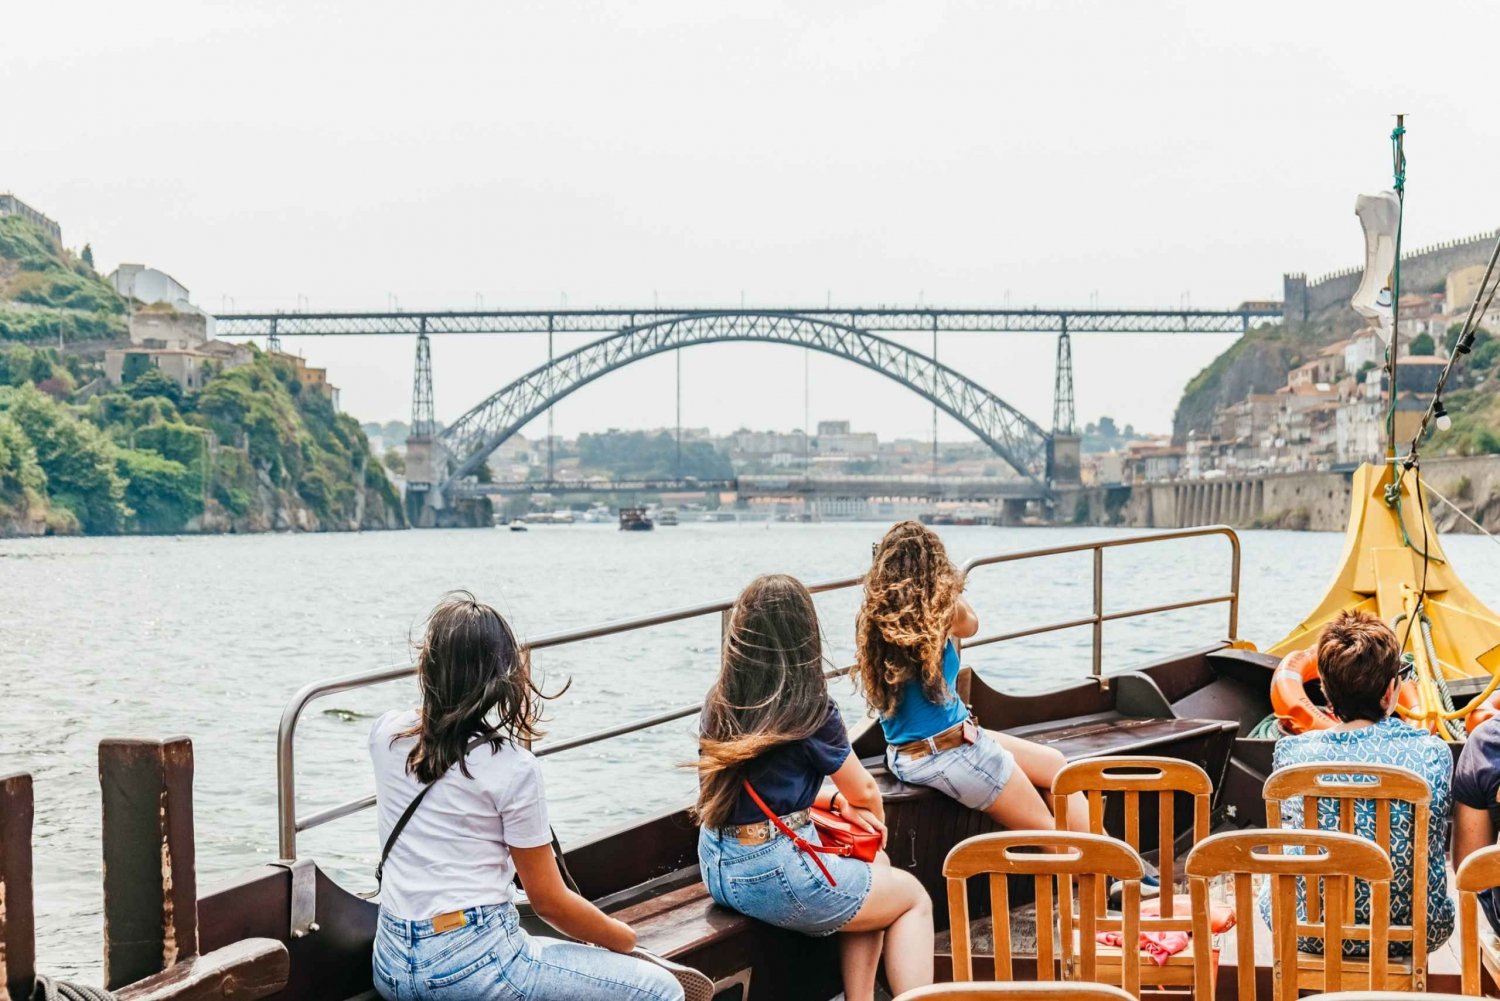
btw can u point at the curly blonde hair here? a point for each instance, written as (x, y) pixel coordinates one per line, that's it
(902, 627)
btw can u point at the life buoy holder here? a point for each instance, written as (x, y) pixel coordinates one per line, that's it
(1298, 713)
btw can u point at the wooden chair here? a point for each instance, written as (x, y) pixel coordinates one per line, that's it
(1046, 856)
(1130, 779)
(1478, 873)
(1383, 785)
(1382, 996)
(1010, 990)
(1335, 860)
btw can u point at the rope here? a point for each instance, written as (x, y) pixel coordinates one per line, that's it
(48, 989)
(1476, 525)
(1398, 168)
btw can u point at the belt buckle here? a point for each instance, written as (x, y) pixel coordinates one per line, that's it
(451, 921)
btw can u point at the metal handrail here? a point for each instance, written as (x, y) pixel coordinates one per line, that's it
(289, 826)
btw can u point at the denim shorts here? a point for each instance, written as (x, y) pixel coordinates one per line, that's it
(491, 959)
(777, 883)
(973, 773)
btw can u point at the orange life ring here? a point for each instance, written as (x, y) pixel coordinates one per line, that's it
(1484, 712)
(1289, 700)
(1299, 714)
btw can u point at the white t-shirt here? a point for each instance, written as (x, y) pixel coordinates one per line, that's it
(455, 850)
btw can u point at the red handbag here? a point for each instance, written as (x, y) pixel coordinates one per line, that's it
(839, 836)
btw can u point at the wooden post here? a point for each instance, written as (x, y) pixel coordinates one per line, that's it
(150, 887)
(17, 920)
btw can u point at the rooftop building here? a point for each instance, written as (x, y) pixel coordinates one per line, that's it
(11, 205)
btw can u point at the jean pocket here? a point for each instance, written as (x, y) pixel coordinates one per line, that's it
(461, 974)
(766, 896)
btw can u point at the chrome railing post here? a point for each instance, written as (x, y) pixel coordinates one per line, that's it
(1099, 613)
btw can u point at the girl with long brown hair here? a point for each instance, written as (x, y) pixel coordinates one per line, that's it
(768, 720)
(906, 663)
(462, 813)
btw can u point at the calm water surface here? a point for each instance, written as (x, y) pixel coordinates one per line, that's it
(209, 637)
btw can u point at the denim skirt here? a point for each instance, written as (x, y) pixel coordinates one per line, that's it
(777, 883)
(973, 773)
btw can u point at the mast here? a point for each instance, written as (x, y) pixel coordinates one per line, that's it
(1393, 350)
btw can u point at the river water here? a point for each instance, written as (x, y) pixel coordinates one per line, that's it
(210, 636)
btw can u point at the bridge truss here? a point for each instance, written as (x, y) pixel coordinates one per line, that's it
(880, 319)
(1012, 435)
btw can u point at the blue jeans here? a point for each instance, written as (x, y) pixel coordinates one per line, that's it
(491, 959)
(777, 883)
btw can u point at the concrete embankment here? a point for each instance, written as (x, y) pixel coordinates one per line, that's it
(1310, 501)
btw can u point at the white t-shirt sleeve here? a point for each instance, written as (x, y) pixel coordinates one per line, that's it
(523, 806)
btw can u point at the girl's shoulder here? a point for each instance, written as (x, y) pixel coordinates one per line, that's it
(389, 725)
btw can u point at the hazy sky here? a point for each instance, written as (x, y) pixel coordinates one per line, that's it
(350, 155)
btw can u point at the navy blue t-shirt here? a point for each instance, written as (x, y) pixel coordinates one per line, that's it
(1476, 783)
(789, 776)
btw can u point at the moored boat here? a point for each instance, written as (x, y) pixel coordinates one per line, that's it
(635, 519)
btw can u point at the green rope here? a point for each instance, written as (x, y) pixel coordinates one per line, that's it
(1267, 729)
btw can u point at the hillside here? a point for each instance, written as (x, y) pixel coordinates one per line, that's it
(47, 294)
(249, 452)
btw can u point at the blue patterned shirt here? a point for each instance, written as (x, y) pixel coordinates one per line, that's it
(1389, 742)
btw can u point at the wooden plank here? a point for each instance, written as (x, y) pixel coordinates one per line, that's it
(17, 919)
(150, 886)
(245, 971)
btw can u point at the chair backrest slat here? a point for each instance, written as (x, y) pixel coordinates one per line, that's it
(1044, 856)
(1476, 874)
(1131, 778)
(1286, 856)
(1384, 786)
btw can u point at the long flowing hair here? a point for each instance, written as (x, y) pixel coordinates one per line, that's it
(903, 622)
(770, 689)
(475, 680)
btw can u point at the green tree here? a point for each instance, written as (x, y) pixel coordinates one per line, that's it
(162, 493)
(155, 382)
(22, 482)
(88, 255)
(76, 456)
(394, 461)
(1423, 344)
(133, 366)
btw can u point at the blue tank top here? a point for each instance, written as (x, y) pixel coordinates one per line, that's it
(915, 717)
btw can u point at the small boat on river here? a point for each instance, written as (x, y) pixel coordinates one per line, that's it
(635, 519)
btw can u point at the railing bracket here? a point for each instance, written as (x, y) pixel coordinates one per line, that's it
(302, 921)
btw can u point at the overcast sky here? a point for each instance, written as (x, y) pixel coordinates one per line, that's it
(351, 155)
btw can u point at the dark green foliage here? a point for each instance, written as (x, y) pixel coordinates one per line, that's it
(1423, 344)
(154, 382)
(76, 456)
(68, 301)
(133, 366)
(635, 454)
(88, 256)
(23, 485)
(163, 494)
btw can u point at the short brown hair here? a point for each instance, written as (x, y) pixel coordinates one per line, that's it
(1358, 658)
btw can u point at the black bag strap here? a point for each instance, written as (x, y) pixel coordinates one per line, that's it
(411, 808)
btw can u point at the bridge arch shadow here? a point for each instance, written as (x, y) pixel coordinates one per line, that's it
(1013, 436)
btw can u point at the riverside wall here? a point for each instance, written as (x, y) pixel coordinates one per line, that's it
(1312, 501)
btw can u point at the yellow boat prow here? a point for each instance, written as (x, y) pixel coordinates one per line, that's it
(1381, 571)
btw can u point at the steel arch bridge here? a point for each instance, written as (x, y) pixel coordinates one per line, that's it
(1014, 437)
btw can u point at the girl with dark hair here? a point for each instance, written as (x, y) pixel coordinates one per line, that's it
(768, 720)
(906, 663)
(463, 796)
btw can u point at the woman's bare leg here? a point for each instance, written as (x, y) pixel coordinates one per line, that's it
(899, 909)
(1041, 764)
(859, 958)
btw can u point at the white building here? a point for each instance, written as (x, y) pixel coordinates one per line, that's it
(148, 285)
